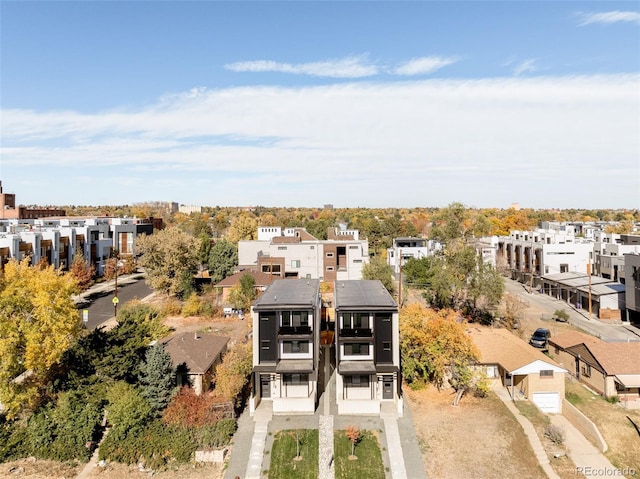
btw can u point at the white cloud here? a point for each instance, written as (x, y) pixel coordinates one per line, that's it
(486, 142)
(418, 66)
(608, 18)
(528, 65)
(349, 67)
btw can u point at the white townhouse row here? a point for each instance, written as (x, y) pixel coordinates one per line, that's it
(57, 241)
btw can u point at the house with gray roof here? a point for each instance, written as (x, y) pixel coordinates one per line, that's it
(367, 348)
(286, 346)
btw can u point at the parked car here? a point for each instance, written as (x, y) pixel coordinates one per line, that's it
(539, 338)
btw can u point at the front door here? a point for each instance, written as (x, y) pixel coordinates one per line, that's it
(387, 388)
(265, 386)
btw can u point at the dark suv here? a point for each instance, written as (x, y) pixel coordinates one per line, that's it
(539, 338)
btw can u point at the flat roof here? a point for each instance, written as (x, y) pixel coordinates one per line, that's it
(289, 293)
(364, 295)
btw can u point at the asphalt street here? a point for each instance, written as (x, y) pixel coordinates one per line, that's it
(578, 318)
(101, 308)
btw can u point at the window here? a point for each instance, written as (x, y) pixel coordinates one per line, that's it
(356, 349)
(300, 318)
(295, 379)
(355, 321)
(295, 263)
(312, 247)
(586, 370)
(281, 248)
(353, 247)
(329, 255)
(358, 381)
(546, 373)
(295, 347)
(357, 261)
(286, 318)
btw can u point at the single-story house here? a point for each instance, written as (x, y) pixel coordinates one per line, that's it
(260, 280)
(195, 356)
(525, 371)
(610, 369)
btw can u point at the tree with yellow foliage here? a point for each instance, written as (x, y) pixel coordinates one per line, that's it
(38, 323)
(435, 348)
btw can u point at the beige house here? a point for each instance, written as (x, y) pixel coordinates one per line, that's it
(522, 369)
(260, 282)
(611, 369)
(195, 356)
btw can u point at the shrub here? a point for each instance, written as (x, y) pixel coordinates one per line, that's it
(482, 386)
(171, 307)
(555, 434)
(561, 314)
(187, 409)
(155, 445)
(218, 435)
(13, 440)
(128, 410)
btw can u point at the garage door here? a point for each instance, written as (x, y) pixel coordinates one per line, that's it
(547, 402)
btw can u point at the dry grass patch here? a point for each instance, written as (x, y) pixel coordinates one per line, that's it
(614, 423)
(478, 439)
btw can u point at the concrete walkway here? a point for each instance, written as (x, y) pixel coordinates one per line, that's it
(401, 454)
(530, 432)
(589, 461)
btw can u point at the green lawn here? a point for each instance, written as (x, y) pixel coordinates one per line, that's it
(369, 463)
(283, 453)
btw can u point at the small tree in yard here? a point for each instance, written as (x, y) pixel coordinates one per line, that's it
(296, 434)
(83, 272)
(354, 435)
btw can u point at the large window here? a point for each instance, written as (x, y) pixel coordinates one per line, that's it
(295, 379)
(356, 349)
(357, 381)
(295, 347)
(356, 321)
(294, 318)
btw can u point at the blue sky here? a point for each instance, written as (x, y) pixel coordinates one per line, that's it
(359, 104)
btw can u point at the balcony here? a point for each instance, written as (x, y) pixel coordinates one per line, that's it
(356, 333)
(295, 331)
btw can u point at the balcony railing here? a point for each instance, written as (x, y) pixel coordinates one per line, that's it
(356, 333)
(294, 330)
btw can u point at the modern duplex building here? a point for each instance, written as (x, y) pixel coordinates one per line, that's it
(295, 253)
(286, 346)
(367, 348)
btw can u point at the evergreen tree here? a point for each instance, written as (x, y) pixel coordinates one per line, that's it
(157, 377)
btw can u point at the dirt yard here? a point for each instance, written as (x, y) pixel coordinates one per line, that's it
(478, 439)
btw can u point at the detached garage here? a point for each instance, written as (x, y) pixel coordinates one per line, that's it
(547, 402)
(523, 370)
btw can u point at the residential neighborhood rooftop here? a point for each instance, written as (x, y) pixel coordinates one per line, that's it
(197, 351)
(363, 294)
(289, 292)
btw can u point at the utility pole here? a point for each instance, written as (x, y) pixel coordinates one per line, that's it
(400, 280)
(589, 275)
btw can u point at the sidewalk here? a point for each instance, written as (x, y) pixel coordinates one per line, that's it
(588, 460)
